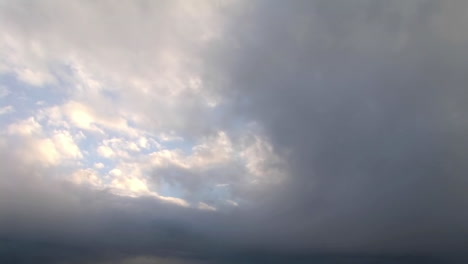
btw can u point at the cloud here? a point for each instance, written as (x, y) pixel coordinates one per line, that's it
(99, 165)
(105, 151)
(204, 206)
(358, 95)
(35, 145)
(233, 132)
(66, 145)
(25, 127)
(6, 110)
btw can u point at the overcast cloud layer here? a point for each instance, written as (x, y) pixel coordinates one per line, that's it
(140, 132)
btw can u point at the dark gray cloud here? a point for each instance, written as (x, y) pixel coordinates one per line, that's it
(365, 100)
(368, 99)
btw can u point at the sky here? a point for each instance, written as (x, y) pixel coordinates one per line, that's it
(233, 131)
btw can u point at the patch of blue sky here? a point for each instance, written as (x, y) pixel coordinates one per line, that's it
(27, 99)
(90, 145)
(184, 145)
(112, 95)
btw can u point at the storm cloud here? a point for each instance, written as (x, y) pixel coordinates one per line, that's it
(233, 132)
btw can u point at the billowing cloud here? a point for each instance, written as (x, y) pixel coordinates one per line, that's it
(233, 132)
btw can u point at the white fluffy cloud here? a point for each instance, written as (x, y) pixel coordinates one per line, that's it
(49, 147)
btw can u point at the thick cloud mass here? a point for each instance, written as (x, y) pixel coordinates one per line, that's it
(233, 132)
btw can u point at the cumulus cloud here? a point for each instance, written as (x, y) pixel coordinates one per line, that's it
(233, 132)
